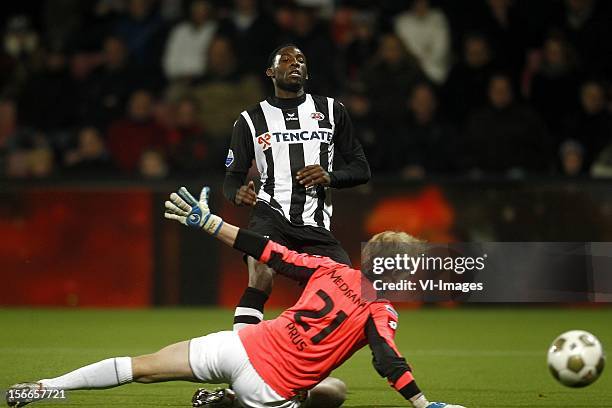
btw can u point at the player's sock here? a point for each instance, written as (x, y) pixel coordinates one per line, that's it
(419, 401)
(103, 374)
(250, 308)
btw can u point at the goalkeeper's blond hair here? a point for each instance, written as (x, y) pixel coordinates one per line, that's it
(388, 244)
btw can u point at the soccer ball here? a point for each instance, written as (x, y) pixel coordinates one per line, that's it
(576, 358)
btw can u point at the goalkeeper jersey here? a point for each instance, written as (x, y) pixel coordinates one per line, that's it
(336, 315)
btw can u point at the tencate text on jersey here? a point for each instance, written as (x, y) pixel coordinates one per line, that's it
(305, 135)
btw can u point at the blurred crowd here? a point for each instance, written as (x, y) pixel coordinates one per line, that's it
(144, 88)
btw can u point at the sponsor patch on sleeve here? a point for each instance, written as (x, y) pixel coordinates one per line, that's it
(391, 310)
(230, 158)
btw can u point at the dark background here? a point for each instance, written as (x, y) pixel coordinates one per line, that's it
(483, 120)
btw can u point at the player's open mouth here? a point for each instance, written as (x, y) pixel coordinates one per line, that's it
(295, 74)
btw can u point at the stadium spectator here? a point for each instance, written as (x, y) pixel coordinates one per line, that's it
(554, 87)
(425, 33)
(171, 10)
(363, 45)
(571, 155)
(20, 55)
(90, 157)
(29, 155)
(61, 20)
(602, 167)
(164, 115)
(129, 137)
(99, 20)
(360, 110)
(187, 47)
(313, 36)
(13, 136)
(24, 152)
(152, 164)
(189, 145)
(387, 79)
(105, 92)
(585, 23)
(503, 26)
(223, 92)
(377, 74)
(143, 32)
(506, 137)
(592, 124)
(48, 100)
(252, 33)
(41, 162)
(16, 164)
(425, 141)
(466, 87)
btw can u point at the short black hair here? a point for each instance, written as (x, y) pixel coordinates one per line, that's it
(274, 53)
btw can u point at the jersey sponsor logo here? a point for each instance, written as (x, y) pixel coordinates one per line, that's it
(290, 116)
(303, 136)
(265, 141)
(391, 310)
(317, 116)
(352, 295)
(230, 158)
(393, 324)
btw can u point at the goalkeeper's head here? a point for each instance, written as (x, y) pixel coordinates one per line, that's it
(388, 244)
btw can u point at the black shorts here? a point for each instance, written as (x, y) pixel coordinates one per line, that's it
(306, 239)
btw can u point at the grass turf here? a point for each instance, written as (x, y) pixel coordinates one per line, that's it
(482, 358)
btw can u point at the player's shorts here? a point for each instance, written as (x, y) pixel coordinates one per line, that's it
(304, 239)
(221, 358)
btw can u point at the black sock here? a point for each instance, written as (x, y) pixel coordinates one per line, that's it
(250, 308)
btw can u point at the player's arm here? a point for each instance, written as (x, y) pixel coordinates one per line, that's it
(355, 169)
(387, 360)
(184, 208)
(238, 162)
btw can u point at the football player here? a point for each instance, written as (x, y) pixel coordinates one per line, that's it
(283, 362)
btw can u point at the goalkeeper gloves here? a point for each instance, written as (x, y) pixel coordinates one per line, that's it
(184, 208)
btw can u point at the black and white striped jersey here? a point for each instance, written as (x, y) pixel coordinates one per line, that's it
(284, 136)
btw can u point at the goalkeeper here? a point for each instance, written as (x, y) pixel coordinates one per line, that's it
(284, 362)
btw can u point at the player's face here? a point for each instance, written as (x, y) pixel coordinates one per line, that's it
(289, 69)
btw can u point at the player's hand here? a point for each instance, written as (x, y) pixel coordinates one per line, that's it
(246, 195)
(184, 208)
(313, 175)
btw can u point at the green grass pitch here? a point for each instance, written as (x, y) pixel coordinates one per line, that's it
(482, 358)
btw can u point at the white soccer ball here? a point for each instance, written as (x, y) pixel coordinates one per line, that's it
(576, 358)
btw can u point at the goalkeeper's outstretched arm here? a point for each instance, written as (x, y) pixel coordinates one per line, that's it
(184, 208)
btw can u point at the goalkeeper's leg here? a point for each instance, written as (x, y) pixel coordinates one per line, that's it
(168, 364)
